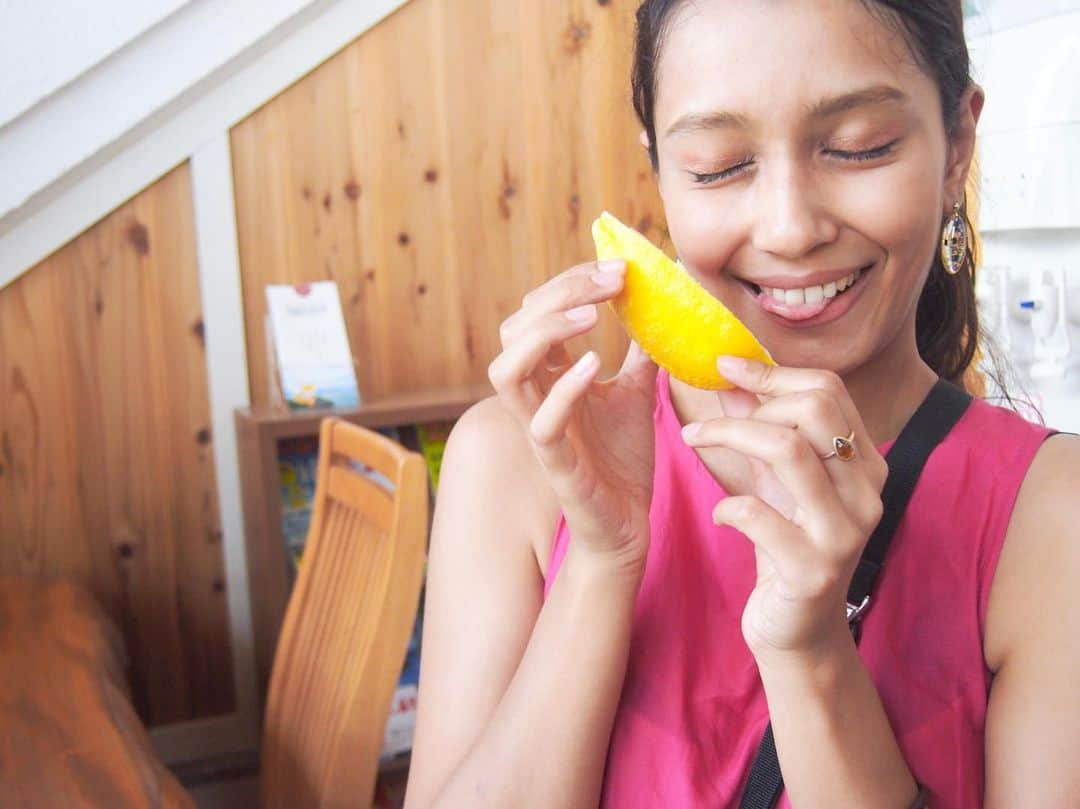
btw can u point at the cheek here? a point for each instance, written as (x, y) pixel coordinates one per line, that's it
(700, 226)
(901, 214)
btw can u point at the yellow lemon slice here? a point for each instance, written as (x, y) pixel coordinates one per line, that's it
(671, 316)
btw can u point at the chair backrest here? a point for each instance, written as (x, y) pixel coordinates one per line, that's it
(347, 624)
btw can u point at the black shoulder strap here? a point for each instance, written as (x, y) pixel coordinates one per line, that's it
(932, 421)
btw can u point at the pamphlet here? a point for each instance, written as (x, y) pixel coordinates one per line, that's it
(311, 346)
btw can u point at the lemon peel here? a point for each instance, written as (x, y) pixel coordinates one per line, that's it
(670, 315)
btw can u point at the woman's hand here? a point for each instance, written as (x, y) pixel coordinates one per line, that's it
(808, 517)
(594, 439)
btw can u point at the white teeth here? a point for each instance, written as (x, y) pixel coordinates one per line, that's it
(814, 294)
(844, 283)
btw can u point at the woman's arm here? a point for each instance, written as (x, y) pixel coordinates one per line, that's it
(833, 740)
(517, 696)
(1032, 642)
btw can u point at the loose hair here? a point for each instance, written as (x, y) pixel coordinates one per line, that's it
(947, 320)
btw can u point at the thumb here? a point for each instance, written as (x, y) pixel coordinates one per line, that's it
(638, 364)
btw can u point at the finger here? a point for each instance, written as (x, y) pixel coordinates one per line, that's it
(514, 373)
(814, 413)
(791, 458)
(548, 426)
(591, 283)
(578, 270)
(771, 381)
(767, 528)
(817, 415)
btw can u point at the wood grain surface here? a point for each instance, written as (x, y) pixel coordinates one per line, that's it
(442, 165)
(71, 736)
(106, 454)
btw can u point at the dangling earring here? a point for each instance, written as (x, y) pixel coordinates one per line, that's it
(954, 242)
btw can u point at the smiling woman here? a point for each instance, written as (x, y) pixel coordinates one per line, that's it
(630, 579)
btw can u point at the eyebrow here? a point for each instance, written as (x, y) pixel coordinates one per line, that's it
(825, 108)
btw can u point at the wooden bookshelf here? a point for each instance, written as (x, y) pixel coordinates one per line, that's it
(258, 432)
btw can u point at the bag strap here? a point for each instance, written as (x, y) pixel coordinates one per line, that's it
(931, 422)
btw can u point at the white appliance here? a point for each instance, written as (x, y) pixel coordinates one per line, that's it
(1026, 56)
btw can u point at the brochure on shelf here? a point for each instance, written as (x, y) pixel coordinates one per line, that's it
(311, 346)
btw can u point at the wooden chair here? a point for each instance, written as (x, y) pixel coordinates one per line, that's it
(347, 624)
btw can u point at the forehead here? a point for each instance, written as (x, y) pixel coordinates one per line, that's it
(765, 58)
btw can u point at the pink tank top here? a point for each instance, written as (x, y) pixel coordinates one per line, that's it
(693, 710)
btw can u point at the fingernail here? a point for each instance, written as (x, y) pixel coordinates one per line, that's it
(585, 365)
(606, 279)
(582, 313)
(730, 366)
(611, 265)
(691, 430)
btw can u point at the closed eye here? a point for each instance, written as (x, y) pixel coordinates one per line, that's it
(713, 176)
(867, 154)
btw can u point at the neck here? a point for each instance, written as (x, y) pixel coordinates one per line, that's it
(886, 390)
(889, 388)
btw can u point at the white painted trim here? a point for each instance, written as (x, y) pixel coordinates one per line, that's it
(42, 52)
(180, 54)
(226, 361)
(118, 172)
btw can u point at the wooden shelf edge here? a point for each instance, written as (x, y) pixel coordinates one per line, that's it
(402, 408)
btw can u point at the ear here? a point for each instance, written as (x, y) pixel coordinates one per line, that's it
(961, 147)
(644, 139)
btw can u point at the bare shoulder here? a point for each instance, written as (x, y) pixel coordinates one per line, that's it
(1039, 568)
(489, 442)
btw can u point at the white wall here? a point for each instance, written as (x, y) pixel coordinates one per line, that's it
(1029, 141)
(986, 16)
(1029, 133)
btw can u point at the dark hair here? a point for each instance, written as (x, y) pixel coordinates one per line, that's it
(947, 321)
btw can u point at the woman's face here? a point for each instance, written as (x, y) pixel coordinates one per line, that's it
(800, 145)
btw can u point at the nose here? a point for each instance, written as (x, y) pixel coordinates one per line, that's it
(791, 218)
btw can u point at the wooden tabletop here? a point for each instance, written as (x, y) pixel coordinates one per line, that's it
(69, 735)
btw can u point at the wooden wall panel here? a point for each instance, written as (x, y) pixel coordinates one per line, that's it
(106, 456)
(438, 168)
